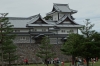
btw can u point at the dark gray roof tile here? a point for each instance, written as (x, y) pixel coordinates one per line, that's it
(63, 8)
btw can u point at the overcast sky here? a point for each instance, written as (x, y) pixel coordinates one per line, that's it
(87, 9)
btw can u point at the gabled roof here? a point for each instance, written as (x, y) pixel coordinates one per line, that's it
(66, 18)
(62, 8)
(19, 22)
(36, 20)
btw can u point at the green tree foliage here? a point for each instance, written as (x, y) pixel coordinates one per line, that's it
(45, 52)
(86, 30)
(7, 47)
(72, 46)
(48, 18)
(91, 46)
(86, 45)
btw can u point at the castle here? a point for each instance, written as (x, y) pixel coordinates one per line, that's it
(57, 26)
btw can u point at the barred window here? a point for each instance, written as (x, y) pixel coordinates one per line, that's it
(17, 30)
(43, 29)
(23, 38)
(70, 31)
(34, 29)
(62, 30)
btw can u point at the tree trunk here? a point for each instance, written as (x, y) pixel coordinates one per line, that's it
(2, 58)
(9, 60)
(9, 63)
(87, 60)
(73, 60)
(47, 64)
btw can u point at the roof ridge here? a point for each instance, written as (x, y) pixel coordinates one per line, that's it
(36, 18)
(56, 6)
(65, 18)
(59, 4)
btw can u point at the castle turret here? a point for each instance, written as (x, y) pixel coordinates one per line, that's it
(60, 10)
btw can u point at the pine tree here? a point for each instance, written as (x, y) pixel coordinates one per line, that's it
(86, 45)
(72, 46)
(45, 51)
(91, 45)
(7, 48)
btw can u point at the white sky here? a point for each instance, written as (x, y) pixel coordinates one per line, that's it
(87, 9)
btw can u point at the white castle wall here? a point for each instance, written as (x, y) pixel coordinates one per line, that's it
(55, 17)
(62, 14)
(23, 39)
(66, 30)
(26, 39)
(40, 28)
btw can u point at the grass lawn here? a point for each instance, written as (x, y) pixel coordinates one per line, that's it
(66, 64)
(96, 63)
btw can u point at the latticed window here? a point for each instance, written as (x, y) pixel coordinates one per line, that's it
(62, 30)
(70, 31)
(23, 38)
(34, 30)
(17, 30)
(43, 29)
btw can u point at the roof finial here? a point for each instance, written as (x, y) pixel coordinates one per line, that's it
(39, 15)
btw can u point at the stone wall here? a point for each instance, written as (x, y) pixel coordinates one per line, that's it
(28, 51)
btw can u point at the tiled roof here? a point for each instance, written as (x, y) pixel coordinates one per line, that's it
(66, 16)
(63, 8)
(22, 22)
(19, 23)
(36, 17)
(69, 25)
(39, 25)
(51, 12)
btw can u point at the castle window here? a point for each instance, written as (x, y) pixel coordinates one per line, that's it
(23, 38)
(62, 30)
(70, 31)
(17, 30)
(43, 29)
(34, 29)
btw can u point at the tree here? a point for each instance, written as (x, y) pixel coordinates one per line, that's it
(90, 47)
(48, 18)
(45, 51)
(72, 46)
(7, 47)
(86, 45)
